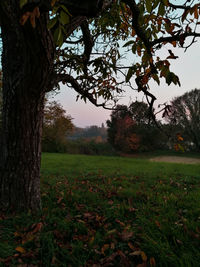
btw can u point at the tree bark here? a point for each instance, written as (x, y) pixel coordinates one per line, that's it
(27, 63)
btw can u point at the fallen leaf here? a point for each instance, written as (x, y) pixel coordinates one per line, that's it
(143, 256)
(104, 248)
(91, 240)
(125, 236)
(135, 253)
(152, 262)
(157, 223)
(131, 246)
(142, 264)
(113, 231)
(20, 249)
(121, 223)
(37, 228)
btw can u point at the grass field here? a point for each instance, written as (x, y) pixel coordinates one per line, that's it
(108, 211)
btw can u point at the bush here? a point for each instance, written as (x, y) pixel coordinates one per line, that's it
(79, 147)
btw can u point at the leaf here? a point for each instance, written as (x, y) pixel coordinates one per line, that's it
(32, 20)
(165, 2)
(138, 50)
(152, 262)
(157, 223)
(129, 75)
(196, 14)
(135, 253)
(125, 236)
(142, 265)
(36, 12)
(22, 3)
(64, 18)
(143, 256)
(52, 23)
(53, 2)
(58, 37)
(20, 249)
(161, 9)
(104, 248)
(66, 10)
(131, 246)
(128, 43)
(37, 227)
(173, 43)
(156, 78)
(149, 5)
(24, 18)
(113, 231)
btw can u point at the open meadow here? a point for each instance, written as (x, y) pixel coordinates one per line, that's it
(108, 211)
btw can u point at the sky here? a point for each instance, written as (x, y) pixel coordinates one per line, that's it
(187, 67)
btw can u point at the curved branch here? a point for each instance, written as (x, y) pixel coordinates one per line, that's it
(66, 78)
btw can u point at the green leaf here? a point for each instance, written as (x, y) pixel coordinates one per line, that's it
(155, 3)
(128, 43)
(149, 5)
(64, 18)
(66, 10)
(58, 36)
(156, 78)
(134, 49)
(172, 78)
(52, 23)
(129, 74)
(165, 2)
(22, 3)
(161, 9)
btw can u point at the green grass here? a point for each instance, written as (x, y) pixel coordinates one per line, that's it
(108, 210)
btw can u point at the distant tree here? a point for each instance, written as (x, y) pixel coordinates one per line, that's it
(89, 133)
(125, 139)
(120, 129)
(56, 126)
(130, 129)
(185, 115)
(139, 112)
(117, 114)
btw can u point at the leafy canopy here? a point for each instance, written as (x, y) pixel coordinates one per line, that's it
(119, 46)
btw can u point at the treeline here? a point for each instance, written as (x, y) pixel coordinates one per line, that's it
(133, 129)
(130, 129)
(60, 134)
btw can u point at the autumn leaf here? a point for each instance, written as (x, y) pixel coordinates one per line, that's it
(24, 18)
(121, 223)
(196, 14)
(131, 246)
(22, 3)
(157, 223)
(135, 253)
(152, 262)
(37, 227)
(104, 248)
(53, 2)
(143, 256)
(20, 249)
(32, 20)
(125, 235)
(142, 265)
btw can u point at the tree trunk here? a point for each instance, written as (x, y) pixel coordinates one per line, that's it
(27, 63)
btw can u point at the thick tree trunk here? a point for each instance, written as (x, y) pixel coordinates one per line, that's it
(27, 63)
